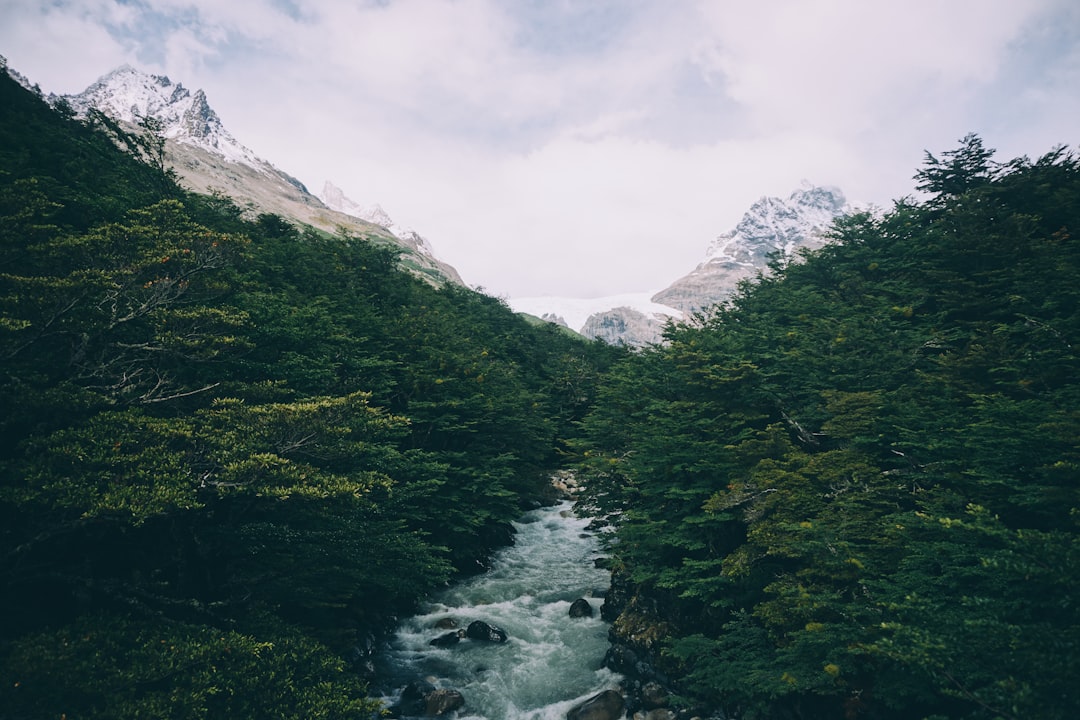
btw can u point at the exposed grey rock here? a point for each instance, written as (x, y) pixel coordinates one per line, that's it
(442, 701)
(581, 608)
(772, 227)
(480, 630)
(653, 695)
(608, 705)
(209, 160)
(624, 326)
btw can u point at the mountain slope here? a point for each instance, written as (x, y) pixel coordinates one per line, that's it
(209, 160)
(770, 227)
(232, 451)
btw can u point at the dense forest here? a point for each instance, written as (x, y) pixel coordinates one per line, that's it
(233, 449)
(851, 491)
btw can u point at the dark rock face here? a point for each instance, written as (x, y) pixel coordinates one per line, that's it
(412, 698)
(608, 705)
(581, 608)
(422, 698)
(480, 630)
(442, 701)
(617, 597)
(653, 696)
(625, 661)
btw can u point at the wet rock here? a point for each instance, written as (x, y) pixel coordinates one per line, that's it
(412, 701)
(581, 608)
(653, 695)
(623, 660)
(446, 640)
(446, 623)
(480, 630)
(608, 705)
(422, 698)
(442, 701)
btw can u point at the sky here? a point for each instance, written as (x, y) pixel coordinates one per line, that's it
(585, 148)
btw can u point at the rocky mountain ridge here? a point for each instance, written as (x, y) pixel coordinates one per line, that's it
(771, 227)
(209, 159)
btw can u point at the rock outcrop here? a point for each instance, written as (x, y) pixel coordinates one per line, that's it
(480, 630)
(581, 608)
(608, 705)
(624, 326)
(771, 228)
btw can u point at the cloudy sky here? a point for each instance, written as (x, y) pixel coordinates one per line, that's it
(585, 147)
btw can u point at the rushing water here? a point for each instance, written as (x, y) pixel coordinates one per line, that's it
(551, 661)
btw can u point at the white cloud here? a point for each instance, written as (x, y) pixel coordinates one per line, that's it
(585, 147)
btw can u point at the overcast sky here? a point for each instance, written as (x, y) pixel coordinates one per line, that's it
(585, 147)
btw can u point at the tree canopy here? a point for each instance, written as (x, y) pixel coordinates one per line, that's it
(233, 448)
(852, 490)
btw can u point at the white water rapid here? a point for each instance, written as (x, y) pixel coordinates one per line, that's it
(550, 661)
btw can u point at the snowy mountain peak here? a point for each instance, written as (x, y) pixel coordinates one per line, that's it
(130, 95)
(334, 198)
(773, 224)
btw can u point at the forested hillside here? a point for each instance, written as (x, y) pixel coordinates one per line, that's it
(232, 448)
(852, 490)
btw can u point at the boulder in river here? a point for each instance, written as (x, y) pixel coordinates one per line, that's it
(581, 608)
(412, 701)
(422, 698)
(480, 630)
(446, 623)
(442, 701)
(608, 705)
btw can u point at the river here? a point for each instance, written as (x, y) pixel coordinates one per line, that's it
(551, 661)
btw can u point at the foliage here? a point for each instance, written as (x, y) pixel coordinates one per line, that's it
(233, 450)
(854, 486)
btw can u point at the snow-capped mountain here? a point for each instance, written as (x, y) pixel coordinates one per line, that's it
(208, 159)
(130, 95)
(335, 199)
(771, 225)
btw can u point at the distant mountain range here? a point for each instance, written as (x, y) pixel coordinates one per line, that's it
(208, 159)
(772, 227)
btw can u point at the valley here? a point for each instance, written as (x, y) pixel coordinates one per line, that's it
(260, 448)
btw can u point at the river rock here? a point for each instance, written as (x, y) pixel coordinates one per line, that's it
(446, 623)
(581, 608)
(446, 640)
(412, 700)
(442, 701)
(480, 630)
(421, 697)
(653, 695)
(608, 705)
